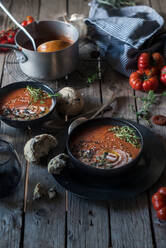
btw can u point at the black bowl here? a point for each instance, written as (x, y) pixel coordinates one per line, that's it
(90, 171)
(25, 123)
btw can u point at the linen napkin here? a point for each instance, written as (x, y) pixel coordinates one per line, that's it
(123, 33)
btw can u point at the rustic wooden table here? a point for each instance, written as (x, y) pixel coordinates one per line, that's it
(77, 223)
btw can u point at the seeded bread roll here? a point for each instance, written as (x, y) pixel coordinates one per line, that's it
(39, 147)
(69, 101)
(57, 164)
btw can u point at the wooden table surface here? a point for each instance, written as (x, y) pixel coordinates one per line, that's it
(77, 223)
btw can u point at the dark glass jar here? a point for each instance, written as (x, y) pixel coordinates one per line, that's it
(10, 168)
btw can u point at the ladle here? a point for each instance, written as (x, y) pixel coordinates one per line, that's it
(19, 25)
(52, 46)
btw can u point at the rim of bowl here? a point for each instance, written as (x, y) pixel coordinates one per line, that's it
(23, 84)
(112, 170)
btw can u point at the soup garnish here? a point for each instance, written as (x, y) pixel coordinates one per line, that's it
(105, 146)
(26, 103)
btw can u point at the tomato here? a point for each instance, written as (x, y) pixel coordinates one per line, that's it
(29, 22)
(24, 23)
(162, 191)
(157, 60)
(159, 203)
(150, 84)
(30, 18)
(144, 61)
(161, 214)
(143, 80)
(135, 80)
(163, 75)
(2, 49)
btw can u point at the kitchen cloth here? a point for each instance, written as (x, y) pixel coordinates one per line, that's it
(121, 33)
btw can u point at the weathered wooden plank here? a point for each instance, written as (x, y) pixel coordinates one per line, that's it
(87, 221)
(159, 233)
(129, 219)
(78, 6)
(52, 9)
(45, 218)
(11, 207)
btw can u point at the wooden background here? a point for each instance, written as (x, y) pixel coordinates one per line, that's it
(83, 223)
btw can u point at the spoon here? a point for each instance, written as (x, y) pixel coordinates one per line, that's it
(80, 120)
(18, 25)
(52, 46)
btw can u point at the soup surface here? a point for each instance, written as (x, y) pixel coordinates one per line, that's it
(106, 146)
(28, 44)
(25, 104)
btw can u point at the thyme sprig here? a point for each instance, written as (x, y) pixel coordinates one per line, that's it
(37, 94)
(147, 102)
(126, 133)
(117, 3)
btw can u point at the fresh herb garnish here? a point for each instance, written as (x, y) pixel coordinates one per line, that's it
(147, 102)
(117, 3)
(39, 94)
(92, 78)
(126, 133)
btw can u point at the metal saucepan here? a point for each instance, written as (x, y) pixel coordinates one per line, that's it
(46, 66)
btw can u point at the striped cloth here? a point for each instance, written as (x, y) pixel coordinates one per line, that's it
(123, 33)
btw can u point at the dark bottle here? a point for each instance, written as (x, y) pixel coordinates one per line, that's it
(10, 169)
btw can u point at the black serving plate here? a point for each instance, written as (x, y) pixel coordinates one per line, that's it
(142, 177)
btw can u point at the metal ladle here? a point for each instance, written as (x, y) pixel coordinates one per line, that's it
(18, 25)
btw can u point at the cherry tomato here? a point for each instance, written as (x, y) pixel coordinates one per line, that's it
(150, 84)
(2, 49)
(157, 60)
(161, 214)
(162, 191)
(144, 61)
(30, 18)
(163, 75)
(24, 23)
(158, 201)
(30, 21)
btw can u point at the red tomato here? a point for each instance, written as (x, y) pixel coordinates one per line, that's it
(150, 84)
(30, 18)
(24, 23)
(135, 80)
(157, 60)
(11, 39)
(30, 21)
(143, 61)
(2, 49)
(161, 214)
(162, 191)
(143, 80)
(163, 75)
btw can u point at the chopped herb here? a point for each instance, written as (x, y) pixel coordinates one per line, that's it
(126, 133)
(39, 94)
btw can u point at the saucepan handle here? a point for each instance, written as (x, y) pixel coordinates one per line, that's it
(21, 57)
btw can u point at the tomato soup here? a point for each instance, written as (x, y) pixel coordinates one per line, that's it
(105, 146)
(25, 104)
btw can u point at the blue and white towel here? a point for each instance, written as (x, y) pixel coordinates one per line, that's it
(121, 33)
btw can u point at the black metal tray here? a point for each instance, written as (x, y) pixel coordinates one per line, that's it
(141, 178)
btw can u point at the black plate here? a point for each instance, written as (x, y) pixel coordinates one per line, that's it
(146, 173)
(23, 84)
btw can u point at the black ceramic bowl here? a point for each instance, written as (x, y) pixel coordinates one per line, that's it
(25, 123)
(87, 170)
